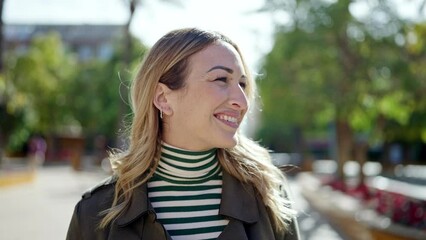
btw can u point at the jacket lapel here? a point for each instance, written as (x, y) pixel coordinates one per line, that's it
(139, 205)
(238, 200)
(133, 224)
(239, 205)
(233, 231)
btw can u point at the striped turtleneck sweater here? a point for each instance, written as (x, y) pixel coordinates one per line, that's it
(185, 192)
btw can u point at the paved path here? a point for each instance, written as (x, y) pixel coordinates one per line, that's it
(41, 210)
(312, 225)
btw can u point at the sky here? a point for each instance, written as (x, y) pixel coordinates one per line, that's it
(253, 32)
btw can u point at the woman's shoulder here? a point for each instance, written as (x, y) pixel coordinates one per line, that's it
(87, 212)
(101, 187)
(98, 198)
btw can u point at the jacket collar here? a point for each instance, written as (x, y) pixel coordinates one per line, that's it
(238, 202)
(139, 205)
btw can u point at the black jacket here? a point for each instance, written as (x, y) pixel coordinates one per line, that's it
(245, 210)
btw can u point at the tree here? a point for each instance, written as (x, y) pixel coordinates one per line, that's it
(35, 90)
(96, 91)
(1, 36)
(128, 49)
(49, 91)
(328, 66)
(2, 81)
(414, 51)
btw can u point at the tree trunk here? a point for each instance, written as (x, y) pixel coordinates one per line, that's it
(128, 48)
(360, 153)
(344, 138)
(1, 37)
(1, 73)
(301, 147)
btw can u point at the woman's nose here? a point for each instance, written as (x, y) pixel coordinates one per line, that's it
(238, 98)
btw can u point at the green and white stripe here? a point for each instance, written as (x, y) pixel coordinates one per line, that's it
(185, 193)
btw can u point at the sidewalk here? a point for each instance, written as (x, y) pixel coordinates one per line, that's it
(312, 224)
(336, 208)
(41, 209)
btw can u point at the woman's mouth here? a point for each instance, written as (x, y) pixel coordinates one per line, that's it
(228, 120)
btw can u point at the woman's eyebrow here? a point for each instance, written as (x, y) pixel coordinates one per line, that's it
(221, 67)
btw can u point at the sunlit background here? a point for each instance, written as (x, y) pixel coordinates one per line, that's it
(343, 100)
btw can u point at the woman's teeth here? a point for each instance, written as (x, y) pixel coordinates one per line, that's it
(228, 118)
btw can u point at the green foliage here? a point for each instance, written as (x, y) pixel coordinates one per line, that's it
(47, 91)
(95, 92)
(327, 65)
(34, 87)
(39, 80)
(413, 128)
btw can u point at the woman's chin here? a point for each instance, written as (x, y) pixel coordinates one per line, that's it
(229, 143)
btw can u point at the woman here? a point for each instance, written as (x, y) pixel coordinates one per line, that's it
(188, 173)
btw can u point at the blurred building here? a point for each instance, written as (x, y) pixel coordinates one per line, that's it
(87, 41)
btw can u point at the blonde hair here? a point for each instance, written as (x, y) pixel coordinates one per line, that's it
(167, 62)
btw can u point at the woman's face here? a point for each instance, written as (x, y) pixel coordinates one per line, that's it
(208, 110)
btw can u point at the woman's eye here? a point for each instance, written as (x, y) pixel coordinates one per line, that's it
(243, 85)
(222, 79)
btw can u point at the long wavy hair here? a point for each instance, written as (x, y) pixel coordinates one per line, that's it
(167, 62)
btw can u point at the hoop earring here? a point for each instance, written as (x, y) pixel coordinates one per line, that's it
(161, 113)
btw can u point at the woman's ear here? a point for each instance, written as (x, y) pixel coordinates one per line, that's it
(161, 98)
